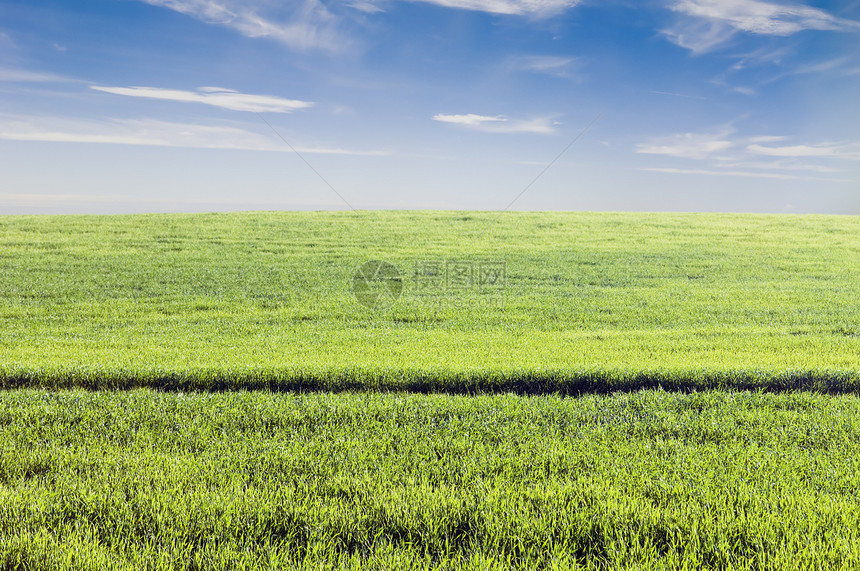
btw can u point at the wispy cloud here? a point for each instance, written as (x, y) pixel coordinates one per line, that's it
(14, 75)
(812, 68)
(512, 7)
(151, 132)
(707, 24)
(469, 120)
(216, 96)
(763, 56)
(689, 145)
(555, 66)
(743, 90)
(767, 139)
(708, 172)
(699, 36)
(499, 123)
(298, 24)
(365, 6)
(790, 164)
(682, 95)
(842, 151)
(759, 68)
(734, 173)
(726, 154)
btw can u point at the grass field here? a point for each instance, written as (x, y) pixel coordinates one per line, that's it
(646, 480)
(640, 391)
(590, 302)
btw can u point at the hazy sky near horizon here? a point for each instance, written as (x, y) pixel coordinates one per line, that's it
(111, 106)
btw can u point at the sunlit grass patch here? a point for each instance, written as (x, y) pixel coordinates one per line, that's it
(588, 301)
(650, 479)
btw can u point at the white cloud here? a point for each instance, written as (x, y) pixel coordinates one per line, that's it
(209, 9)
(758, 17)
(688, 145)
(499, 123)
(555, 66)
(725, 154)
(470, 120)
(682, 95)
(366, 7)
(14, 75)
(792, 151)
(746, 174)
(819, 67)
(845, 151)
(216, 96)
(513, 7)
(699, 36)
(811, 68)
(785, 59)
(762, 56)
(723, 173)
(207, 89)
(707, 24)
(150, 132)
(748, 91)
(299, 24)
(767, 139)
(779, 165)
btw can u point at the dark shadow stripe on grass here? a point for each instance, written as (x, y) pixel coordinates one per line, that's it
(564, 382)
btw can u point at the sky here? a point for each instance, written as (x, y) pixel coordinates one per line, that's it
(125, 106)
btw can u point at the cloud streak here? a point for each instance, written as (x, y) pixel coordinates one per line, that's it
(542, 8)
(304, 25)
(215, 96)
(707, 24)
(731, 173)
(727, 155)
(13, 75)
(555, 66)
(841, 151)
(707, 172)
(499, 123)
(689, 145)
(150, 132)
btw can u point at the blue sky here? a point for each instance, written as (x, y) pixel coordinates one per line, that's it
(193, 105)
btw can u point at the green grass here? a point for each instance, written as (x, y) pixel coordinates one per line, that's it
(706, 474)
(593, 302)
(644, 480)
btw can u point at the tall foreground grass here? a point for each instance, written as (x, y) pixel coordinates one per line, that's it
(592, 302)
(644, 480)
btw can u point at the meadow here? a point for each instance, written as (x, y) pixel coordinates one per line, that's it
(236, 480)
(546, 391)
(590, 302)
